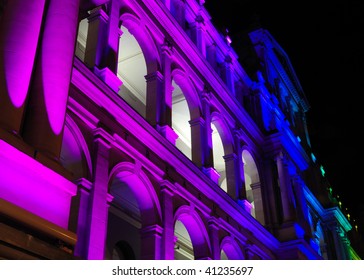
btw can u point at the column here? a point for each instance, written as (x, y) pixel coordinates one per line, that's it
(227, 74)
(258, 202)
(213, 228)
(80, 226)
(43, 127)
(19, 34)
(285, 189)
(151, 242)
(232, 175)
(167, 192)
(155, 98)
(211, 55)
(102, 46)
(159, 96)
(200, 35)
(206, 146)
(302, 209)
(198, 141)
(99, 197)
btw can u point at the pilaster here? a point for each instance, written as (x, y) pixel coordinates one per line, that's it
(167, 191)
(99, 197)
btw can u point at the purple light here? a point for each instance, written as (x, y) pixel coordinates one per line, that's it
(34, 187)
(20, 35)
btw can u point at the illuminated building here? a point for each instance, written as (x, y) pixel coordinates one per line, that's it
(129, 130)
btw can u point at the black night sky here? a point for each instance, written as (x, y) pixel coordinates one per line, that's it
(324, 41)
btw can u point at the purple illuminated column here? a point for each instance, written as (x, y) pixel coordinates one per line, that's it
(240, 165)
(198, 136)
(80, 222)
(167, 190)
(232, 175)
(43, 127)
(102, 46)
(99, 197)
(200, 34)
(258, 202)
(151, 242)
(213, 227)
(202, 146)
(19, 34)
(155, 98)
(227, 74)
(159, 96)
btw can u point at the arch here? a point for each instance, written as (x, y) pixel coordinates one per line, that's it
(252, 179)
(222, 144)
(75, 155)
(131, 178)
(137, 58)
(188, 90)
(137, 28)
(185, 107)
(196, 231)
(230, 248)
(123, 251)
(224, 131)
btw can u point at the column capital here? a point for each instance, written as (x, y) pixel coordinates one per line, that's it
(167, 187)
(109, 77)
(101, 136)
(230, 157)
(167, 47)
(157, 75)
(197, 121)
(151, 230)
(98, 13)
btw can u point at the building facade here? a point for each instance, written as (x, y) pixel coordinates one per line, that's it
(129, 130)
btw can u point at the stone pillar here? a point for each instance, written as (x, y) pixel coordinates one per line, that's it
(159, 96)
(258, 202)
(285, 189)
(200, 35)
(207, 145)
(232, 175)
(167, 190)
(81, 221)
(198, 143)
(227, 74)
(151, 242)
(19, 34)
(302, 209)
(43, 127)
(102, 46)
(155, 98)
(211, 55)
(99, 197)
(213, 228)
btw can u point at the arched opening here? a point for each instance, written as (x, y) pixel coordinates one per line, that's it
(218, 156)
(183, 249)
(251, 180)
(229, 250)
(180, 120)
(134, 206)
(185, 110)
(74, 154)
(191, 239)
(123, 251)
(132, 70)
(81, 39)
